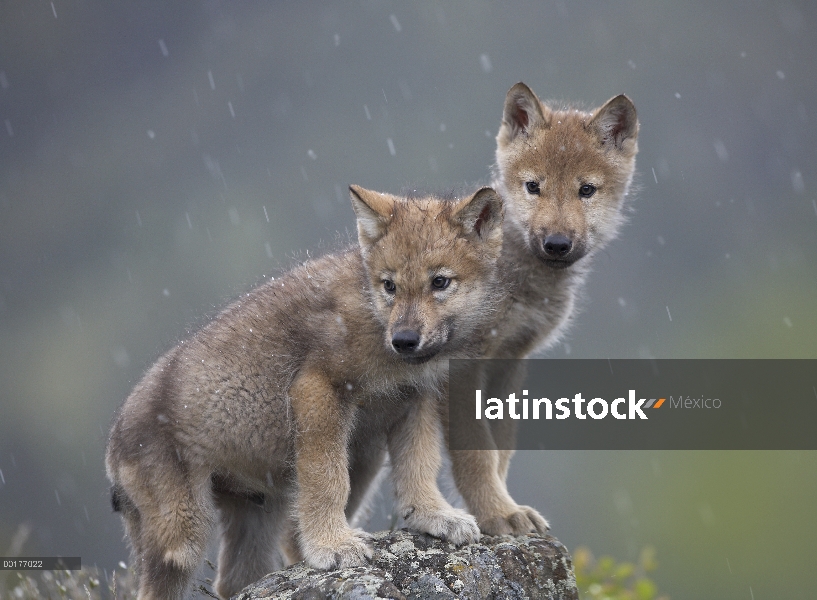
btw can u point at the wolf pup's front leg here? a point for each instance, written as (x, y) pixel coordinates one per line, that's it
(323, 425)
(477, 474)
(414, 448)
(480, 475)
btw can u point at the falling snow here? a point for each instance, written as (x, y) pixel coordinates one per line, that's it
(273, 104)
(797, 181)
(395, 22)
(720, 150)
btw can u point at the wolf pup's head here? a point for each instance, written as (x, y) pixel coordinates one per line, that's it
(431, 266)
(564, 173)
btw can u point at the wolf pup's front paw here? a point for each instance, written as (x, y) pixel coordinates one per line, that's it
(450, 524)
(523, 519)
(353, 551)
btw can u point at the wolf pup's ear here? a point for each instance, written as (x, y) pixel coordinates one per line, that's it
(616, 121)
(481, 214)
(522, 112)
(373, 210)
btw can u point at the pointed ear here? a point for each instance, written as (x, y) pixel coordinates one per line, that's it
(616, 122)
(481, 214)
(373, 210)
(522, 111)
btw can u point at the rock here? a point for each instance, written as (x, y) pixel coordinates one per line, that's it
(409, 566)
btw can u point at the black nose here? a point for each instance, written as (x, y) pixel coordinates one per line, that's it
(405, 341)
(557, 245)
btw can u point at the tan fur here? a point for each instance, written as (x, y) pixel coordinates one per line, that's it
(558, 150)
(276, 414)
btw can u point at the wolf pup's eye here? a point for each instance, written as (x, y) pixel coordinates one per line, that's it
(532, 187)
(440, 282)
(389, 286)
(587, 190)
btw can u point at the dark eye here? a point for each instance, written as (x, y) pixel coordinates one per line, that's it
(532, 187)
(440, 282)
(587, 190)
(389, 286)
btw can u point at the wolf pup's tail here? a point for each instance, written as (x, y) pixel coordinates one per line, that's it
(117, 498)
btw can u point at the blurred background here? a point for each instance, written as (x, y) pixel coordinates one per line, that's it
(157, 159)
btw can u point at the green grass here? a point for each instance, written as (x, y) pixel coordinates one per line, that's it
(86, 583)
(606, 579)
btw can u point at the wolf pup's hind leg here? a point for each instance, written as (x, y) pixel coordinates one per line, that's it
(250, 537)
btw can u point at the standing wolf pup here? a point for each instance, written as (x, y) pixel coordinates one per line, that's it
(286, 400)
(563, 174)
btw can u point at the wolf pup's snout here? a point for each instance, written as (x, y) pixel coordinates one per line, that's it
(560, 250)
(557, 245)
(405, 341)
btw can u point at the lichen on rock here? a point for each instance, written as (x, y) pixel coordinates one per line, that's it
(409, 566)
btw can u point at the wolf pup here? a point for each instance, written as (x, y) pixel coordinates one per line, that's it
(564, 175)
(288, 399)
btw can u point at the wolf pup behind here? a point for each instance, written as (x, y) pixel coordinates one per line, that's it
(564, 175)
(288, 399)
